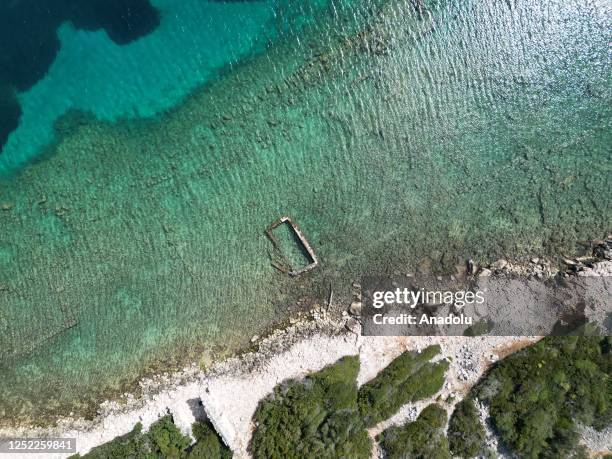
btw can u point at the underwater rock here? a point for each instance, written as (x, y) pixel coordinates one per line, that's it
(355, 308)
(499, 264)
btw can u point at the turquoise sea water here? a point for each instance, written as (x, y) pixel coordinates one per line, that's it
(396, 140)
(193, 43)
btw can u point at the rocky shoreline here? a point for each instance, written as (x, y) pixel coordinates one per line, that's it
(228, 391)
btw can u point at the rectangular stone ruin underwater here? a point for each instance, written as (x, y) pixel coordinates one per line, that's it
(293, 253)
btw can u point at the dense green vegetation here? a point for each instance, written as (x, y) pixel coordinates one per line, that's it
(537, 395)
(421, 439)
(133, 444)
(325, 416)
(466, 434)
(208, 444)
(166, 440)
(409, 377)
(316, 417)
(163, 440)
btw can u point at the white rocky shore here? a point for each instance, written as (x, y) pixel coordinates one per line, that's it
(228, 392)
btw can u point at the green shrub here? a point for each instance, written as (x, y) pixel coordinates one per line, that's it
(316, 417)
(163, 441)
(421, 439)
(466, 434)
(133, 444)
(408, 378)
(537, 395)
(208, 444)
(166, 439)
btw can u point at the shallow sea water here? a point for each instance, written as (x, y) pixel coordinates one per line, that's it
(395, 140)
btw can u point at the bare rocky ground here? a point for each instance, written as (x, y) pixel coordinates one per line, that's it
(228, 392)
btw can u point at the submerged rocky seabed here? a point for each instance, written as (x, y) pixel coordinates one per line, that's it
(394, 138)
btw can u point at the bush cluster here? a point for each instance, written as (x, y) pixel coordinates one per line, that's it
(466, 435)
(537, 395)
(325, 416)
(208, 445)
(316, 417)
(409, 377)
(163, 440)
(421, 439)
